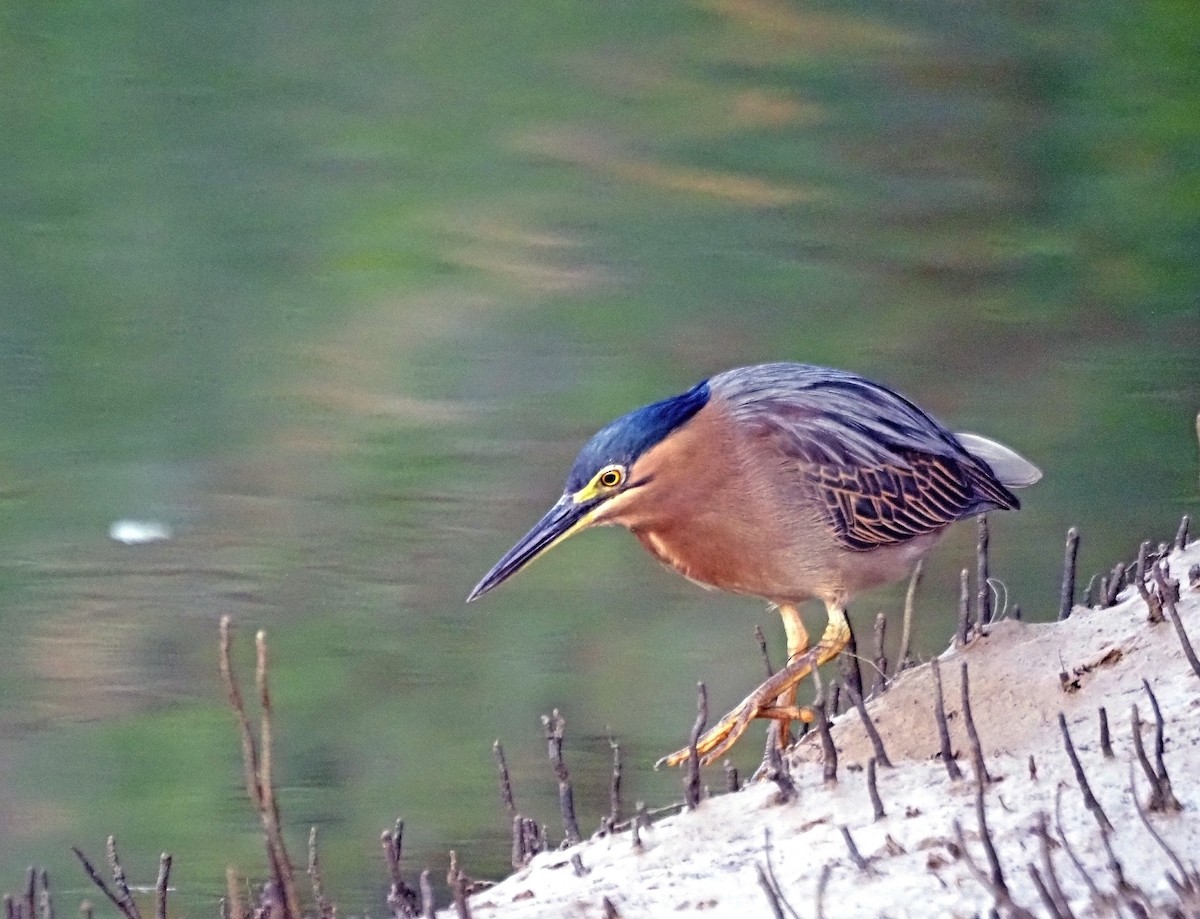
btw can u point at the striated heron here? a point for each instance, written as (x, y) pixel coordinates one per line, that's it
(782, 481)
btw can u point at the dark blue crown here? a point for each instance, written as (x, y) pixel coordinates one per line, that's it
(627, 438)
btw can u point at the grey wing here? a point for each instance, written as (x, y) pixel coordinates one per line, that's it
(883, 470)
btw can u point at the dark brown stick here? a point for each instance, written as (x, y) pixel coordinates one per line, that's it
(981, 772)
(458, 887)
(732, 782)
(161, 885)
(939, 714)
(879, 684)
(910, 598)
(1067, 595)
(1061, 905)
(829, 751)
(691, 784)
(1184, 880)
(869, 726)
(848, 665)
(272, 824)
(1154, 611)
(118, 873)
(126, 910)
(1089, 799)
(1168, 590)
(555, 726)
(506, 792)
(30, 900)
(983, 587)
(614, 785)
(985, 836)
(324, 907)
(427, 908)
(963, 633)
(855, 855)
(1157, 803)
(873, 790)
(1105, 737)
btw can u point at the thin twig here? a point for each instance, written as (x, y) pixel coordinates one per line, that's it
(1105, 737)
(555, 725)
(427, 908)
(1181, 535)
(1089, 799)
(118, 873)
(1061, 906)
(270, 805)
(1153, 601)
(963, 634)
(161, 886)
(45, 901)
(1066, 844)
(762, 647)
(324, 907)
(614, 786)
(732, 782)
(1116, 584)
(828, 750)
(772, 895)
(983, 587)
(126, 910)
(910, 597)
(822, 885)
(1184, 877)
(1168, 590)
(985, 836)
(774, 770)
(770, 876)
(249, 751)
(879, 684)
(869, 726)
(981, 772)
(458, 887)
(234, 906)
(506, 792)
(939, 715)
(855, 855)
(401, 899)
(1156, 798)
(691, 784)
(1067, 594)
(873, 790)
(848, 665)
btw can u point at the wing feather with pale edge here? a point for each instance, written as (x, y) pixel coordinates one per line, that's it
(883, 470)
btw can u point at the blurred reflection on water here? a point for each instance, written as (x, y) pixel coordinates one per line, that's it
(333, 295)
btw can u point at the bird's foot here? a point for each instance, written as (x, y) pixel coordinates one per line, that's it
(762, 703)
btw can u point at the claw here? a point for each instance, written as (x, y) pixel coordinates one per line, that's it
(759, 704)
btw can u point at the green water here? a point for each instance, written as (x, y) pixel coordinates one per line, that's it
(336, 291)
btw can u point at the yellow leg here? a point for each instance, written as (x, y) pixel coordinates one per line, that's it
(797, 634)
(797, 644)
(765, 702)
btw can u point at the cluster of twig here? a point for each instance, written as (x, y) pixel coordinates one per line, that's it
(1148, 574)
(35, 902)
(1124, 894)
(279, 898)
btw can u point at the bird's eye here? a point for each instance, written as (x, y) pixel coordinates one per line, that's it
(611, 477)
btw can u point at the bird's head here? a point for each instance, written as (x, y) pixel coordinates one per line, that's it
(604, 482)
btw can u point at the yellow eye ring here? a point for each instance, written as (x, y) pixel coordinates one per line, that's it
(610, 477)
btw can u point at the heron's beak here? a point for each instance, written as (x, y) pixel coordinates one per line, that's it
(566, 518)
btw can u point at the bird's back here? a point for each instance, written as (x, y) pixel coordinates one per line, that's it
(880, 469)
